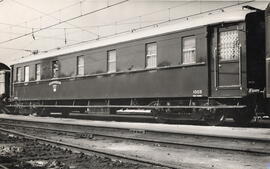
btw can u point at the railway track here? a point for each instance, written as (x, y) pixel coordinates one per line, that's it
(238, 145)
(136, 162)
(151, 140)
(247, 145)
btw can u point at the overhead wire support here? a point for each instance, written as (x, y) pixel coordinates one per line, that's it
(64, 21)
(163, 22)
(59, 19)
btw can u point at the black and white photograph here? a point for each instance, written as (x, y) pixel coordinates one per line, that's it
(135, 84)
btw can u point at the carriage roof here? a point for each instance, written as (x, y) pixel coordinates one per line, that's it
(173, 26)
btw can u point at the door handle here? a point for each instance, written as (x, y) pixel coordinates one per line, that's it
(219, 65)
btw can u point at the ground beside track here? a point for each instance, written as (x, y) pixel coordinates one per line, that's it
(23, 153)
(191, 158)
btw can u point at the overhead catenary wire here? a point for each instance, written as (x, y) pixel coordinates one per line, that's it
(39, 36)
(189, 16)
(108, 24)
(64, 21)
(61, 9)
(101, 25)
(58, 19)
(160, 23)
(18, 49)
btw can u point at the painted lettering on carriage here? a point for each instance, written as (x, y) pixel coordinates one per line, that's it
(55, 85)
(197, 93)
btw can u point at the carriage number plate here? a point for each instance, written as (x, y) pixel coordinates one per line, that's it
(197, 92)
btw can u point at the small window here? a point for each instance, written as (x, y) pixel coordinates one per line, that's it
(80, 65)
(19, 74)
(189, 50)
(2, 83)
(111, 61)
(151, 55)
(26, 73)
(37, 74)
(229, 45)
(55, 69)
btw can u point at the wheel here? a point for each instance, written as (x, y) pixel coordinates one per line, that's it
(243, 117)
(113, 110)
(158, 117)
(65, 113)
(43, 112)
(215, 118)
(24, 111)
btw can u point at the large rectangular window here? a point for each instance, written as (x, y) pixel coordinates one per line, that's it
(111, 61)
(26, 73)
(37, 72)
(151, 55)
(55, 69)
(19, 74)
(229, 45)
(80, 65)
(189, 50)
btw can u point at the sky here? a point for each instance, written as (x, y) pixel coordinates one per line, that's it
(28, 26)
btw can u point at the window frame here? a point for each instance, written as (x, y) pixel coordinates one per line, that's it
(109, 61)
(26, 73)
(80, 66)
(233, 28)
(55, 74)
(19, 74)
(36, 74)
(151, 56)
(182, 49)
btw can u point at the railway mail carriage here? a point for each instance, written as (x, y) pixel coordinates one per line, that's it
(196, 69)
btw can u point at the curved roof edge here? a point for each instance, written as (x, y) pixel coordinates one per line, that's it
(4, 66)
(173, 26)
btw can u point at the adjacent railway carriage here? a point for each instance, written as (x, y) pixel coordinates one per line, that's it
(203, 69)
(4, 86)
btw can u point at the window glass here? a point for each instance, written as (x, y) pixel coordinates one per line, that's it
(19, 74)
(80, 65)
(55, 69)
(151, 55)
(189, 50)
(38, 74)
(26, 73)
(2, 83)
(229, 45)
(111, 61)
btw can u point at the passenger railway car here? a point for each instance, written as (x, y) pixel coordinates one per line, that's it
(202, 68)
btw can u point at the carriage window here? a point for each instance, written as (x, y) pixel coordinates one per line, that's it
(55, 69)
(111, 61)
(37, 74)
(80, 65)
(19, 74)
(189, 50)
(2, 83)
(229, 45)
(151, 55)
(26, 73)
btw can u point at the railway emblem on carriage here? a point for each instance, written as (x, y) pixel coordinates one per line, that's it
(55, 85)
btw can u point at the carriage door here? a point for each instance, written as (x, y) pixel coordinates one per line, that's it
(227, 60)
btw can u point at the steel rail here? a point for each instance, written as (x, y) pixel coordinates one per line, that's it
(91, 150)
(3, 167)
(147, 130)
(174, 143)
